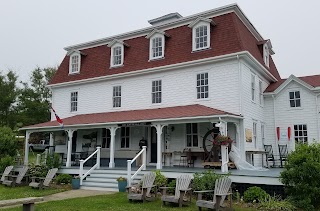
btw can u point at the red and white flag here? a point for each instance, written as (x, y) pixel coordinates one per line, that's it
(58, 118)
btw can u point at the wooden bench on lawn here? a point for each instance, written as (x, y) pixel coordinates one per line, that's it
(28, 203)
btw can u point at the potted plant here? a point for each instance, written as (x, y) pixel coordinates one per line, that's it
(75, 182)
(122, 184)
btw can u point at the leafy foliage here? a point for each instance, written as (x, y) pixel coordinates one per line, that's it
(64, 179)
(38, 170)
(172, 186)
(53, 161)
(276, 204)
(8, 142)
(6, 161)
(160, 180)
(301, 176)
(255, 194)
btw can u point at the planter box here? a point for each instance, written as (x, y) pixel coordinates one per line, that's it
(75, 183)
(122, 186)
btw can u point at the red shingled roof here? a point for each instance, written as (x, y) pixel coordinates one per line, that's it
(229, 35)
(313, 80)
(137, 115)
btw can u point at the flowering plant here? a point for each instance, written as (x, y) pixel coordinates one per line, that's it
(121, 179)
(222, 140)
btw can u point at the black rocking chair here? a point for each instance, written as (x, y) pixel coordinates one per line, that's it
(269, 154)
(283, 153)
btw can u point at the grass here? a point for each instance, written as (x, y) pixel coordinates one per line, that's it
(112, 202)
(26, 191)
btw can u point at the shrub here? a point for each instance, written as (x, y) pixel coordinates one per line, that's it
(38, 170)
(160, 180)
(53, 161)
(254, 194)
(8, 142)
(64, 179)
(301, 176)
(172, 186)
(205, 181)
(6, 161)
(276, 204)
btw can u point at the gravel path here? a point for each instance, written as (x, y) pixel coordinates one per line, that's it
(74, 194)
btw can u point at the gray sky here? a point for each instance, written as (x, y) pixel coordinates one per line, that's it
(34, 32)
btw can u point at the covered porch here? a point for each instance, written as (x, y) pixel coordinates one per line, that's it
(172, 135)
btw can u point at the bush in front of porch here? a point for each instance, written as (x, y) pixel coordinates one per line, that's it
(301, 176)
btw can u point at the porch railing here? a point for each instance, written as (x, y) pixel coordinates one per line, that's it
(142, 153)
(96, 166)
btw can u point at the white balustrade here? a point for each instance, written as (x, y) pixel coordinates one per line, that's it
(96, 166)
(142, 153)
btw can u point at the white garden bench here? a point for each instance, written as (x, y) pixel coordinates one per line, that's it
(28, 203)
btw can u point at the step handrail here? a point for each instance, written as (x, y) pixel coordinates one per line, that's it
(142, 153)
(96, 166)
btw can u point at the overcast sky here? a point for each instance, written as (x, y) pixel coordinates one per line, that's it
(34, 32)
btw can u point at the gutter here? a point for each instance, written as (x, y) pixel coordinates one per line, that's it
(138, 121)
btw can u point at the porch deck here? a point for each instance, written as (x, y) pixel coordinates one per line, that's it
(268, 177)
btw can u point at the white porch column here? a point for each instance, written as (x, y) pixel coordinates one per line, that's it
(113, 130)
(26, 148)
(51, 143)
(159, 128)
(70, 135)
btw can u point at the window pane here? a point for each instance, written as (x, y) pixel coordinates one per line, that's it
(297, 94)
(298, 103)
(291, 95)
(195, 140)
(194, 128)
(292, 104)
(188, 128)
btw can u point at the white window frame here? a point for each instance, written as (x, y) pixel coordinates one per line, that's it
(295, 99)
(74, 102)
(192, 134)
(156, 91)
(266, 55)
(194, 29)
(71, 64)
(260, 92)
(300, 133)
(116, 45)
(253, 88)
(127, 136)
(116, 95)
(202, 85)
(254, 133)
(151, 47)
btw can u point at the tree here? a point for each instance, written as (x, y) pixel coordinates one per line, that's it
(301, 176)
(8, 147)
(34, 99)
(8, 96)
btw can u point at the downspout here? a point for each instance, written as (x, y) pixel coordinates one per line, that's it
(274, 118)
(240, 85)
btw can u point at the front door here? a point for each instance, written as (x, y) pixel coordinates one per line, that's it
(153, 145)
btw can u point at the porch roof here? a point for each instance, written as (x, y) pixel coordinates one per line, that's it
(133, 116)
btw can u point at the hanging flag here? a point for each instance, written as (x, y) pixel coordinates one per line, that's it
(58, 118)
(278, 133)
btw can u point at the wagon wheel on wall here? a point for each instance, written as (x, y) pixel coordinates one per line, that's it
(211, 151)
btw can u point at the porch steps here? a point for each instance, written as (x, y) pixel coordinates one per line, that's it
(106, 179)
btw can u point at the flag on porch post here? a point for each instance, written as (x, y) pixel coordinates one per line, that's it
(58, 118)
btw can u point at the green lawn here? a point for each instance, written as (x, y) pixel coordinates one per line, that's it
(26, 191)
(112, 202)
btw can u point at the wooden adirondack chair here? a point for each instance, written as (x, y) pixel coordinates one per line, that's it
(269, 155)
(13, 180)
(41, 182)
(182, 192)
(222, 186)
(6, 172)
(147, 184)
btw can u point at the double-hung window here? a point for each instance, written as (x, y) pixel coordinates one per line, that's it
(294, 98)
(201, 38)
(117, 56)
(74, 63)
(262, 134)
(156, 91)
(300, 134)
(200, 33)
(125, 137)
(116, 98)
(253, 87)
(192, 134)
(106, 138)
(266, 54)
(254, 131)
(74, 101)
(117, 53)
(202, 86)
(157, 47)
(260, 93)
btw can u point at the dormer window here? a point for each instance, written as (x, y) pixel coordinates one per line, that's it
(157, 44)
(117, 53)
(74, 63)
(266, 54)
(201, 33)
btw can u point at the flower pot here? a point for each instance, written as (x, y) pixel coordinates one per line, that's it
(75, 183)
(122, 186)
